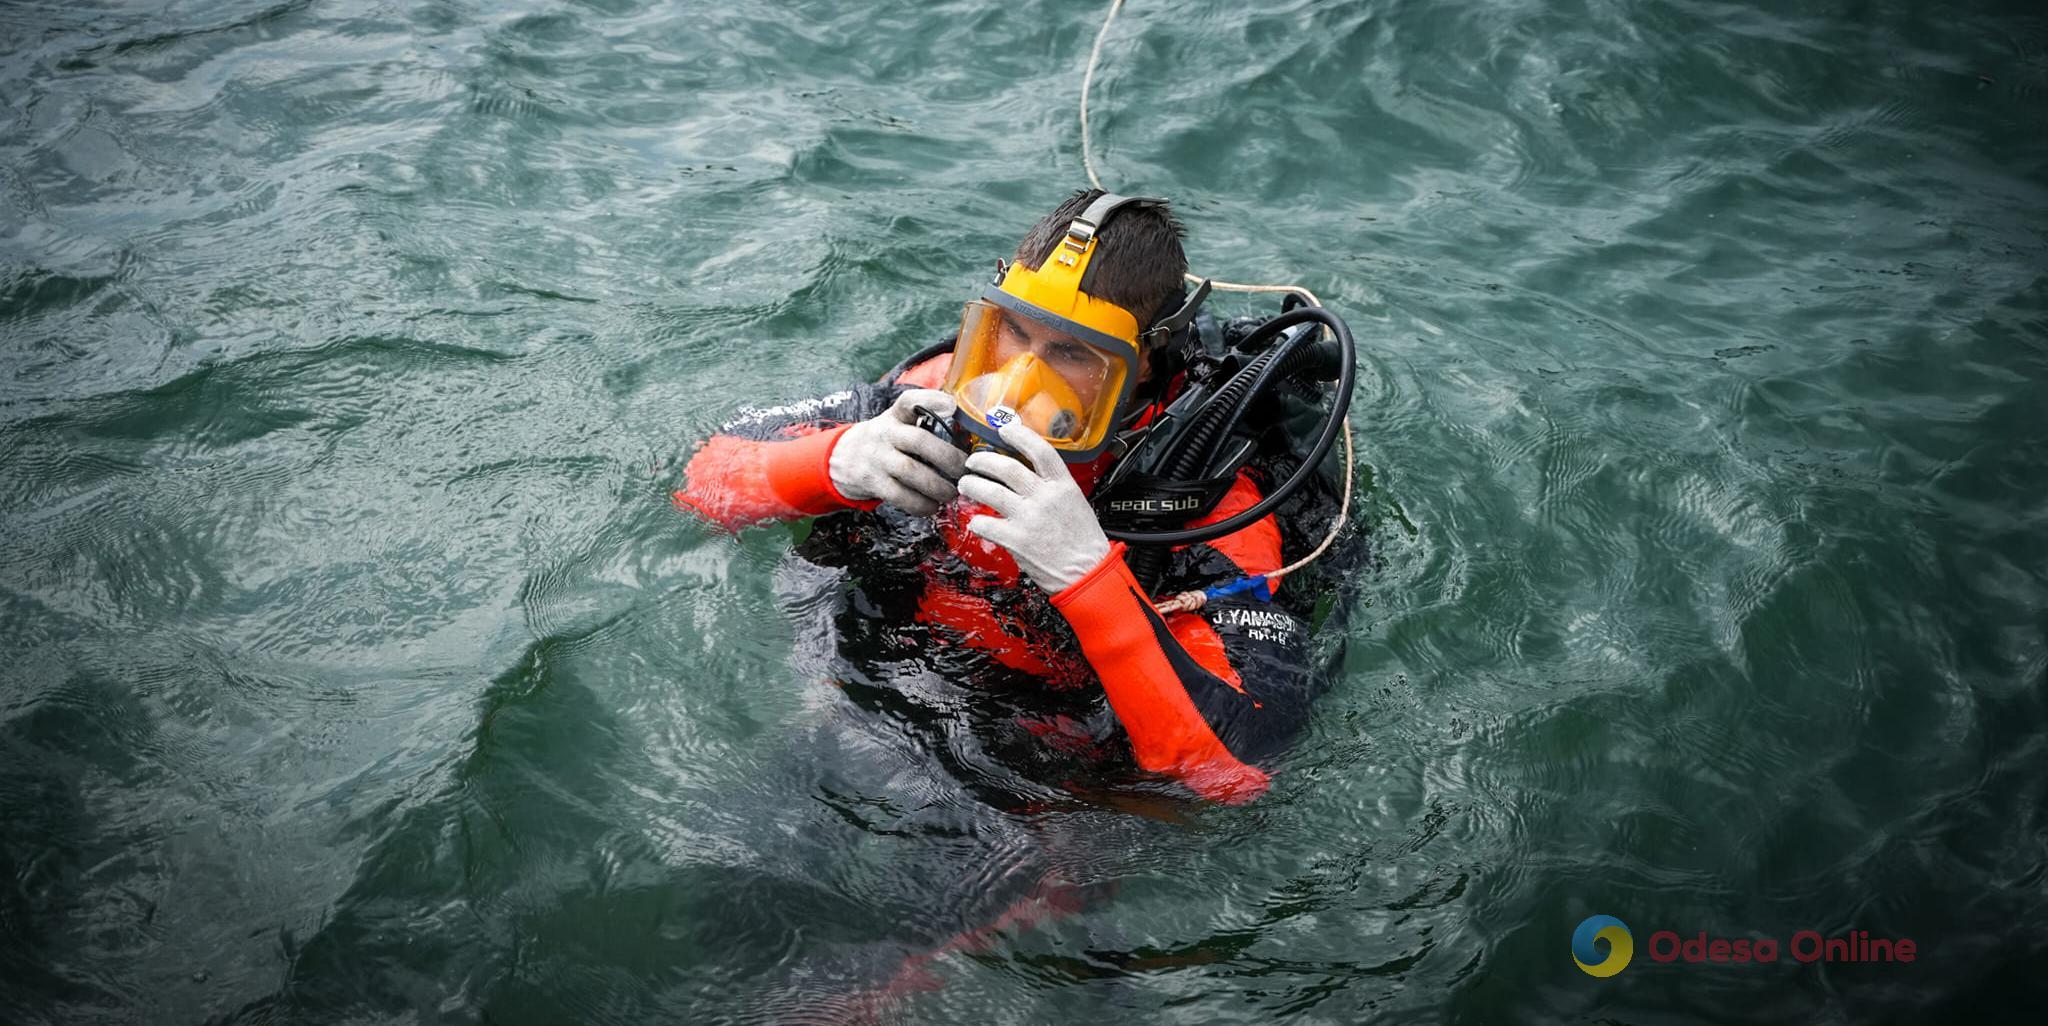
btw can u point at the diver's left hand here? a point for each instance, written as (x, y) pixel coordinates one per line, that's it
(1046, 522)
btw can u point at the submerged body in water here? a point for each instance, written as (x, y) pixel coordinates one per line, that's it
(1087, 684)
(965, 678)
(1002, 657)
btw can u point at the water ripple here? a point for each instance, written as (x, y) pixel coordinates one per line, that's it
(356, 668)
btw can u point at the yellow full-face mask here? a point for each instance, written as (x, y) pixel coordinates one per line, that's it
(1064, 360)
(1061, 384)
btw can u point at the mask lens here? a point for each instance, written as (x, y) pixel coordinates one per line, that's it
(1061, 387)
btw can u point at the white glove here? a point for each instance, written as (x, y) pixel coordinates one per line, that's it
(1046, 522)
(879, 458)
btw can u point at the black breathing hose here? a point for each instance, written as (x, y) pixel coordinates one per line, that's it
(1193, 450)
(1218, 418)
(1317, 360)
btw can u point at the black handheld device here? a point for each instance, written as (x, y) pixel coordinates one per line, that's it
(947, 430)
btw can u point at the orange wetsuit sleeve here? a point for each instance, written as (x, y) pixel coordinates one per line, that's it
(774, 464)
(1204, 696)
(1148, 677)
(733, 482)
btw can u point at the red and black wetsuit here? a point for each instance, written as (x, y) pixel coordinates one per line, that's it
(1208, 698)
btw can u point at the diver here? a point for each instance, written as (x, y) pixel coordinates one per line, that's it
(967, 486)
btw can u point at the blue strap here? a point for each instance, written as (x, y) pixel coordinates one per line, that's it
(1256, 584)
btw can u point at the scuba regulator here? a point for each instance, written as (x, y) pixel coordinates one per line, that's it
(1179, 466)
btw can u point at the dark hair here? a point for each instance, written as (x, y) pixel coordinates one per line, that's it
(1138, 260)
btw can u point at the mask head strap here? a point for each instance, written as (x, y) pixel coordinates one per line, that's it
(1081, 232)
(1079, 241)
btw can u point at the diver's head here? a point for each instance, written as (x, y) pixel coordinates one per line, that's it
(1139, 264)
(1091, 307)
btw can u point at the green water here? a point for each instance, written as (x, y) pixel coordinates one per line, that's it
(356, 669)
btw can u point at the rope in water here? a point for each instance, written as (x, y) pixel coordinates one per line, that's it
(1259, 584)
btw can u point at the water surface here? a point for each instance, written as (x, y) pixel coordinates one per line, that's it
(355, 668)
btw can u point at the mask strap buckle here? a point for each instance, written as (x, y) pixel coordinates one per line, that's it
(1172, 323)
(1080, 234)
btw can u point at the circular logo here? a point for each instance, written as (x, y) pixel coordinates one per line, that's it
(1000, 415)
(1621, 946)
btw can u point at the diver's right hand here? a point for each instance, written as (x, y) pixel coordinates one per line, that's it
(888, 457)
